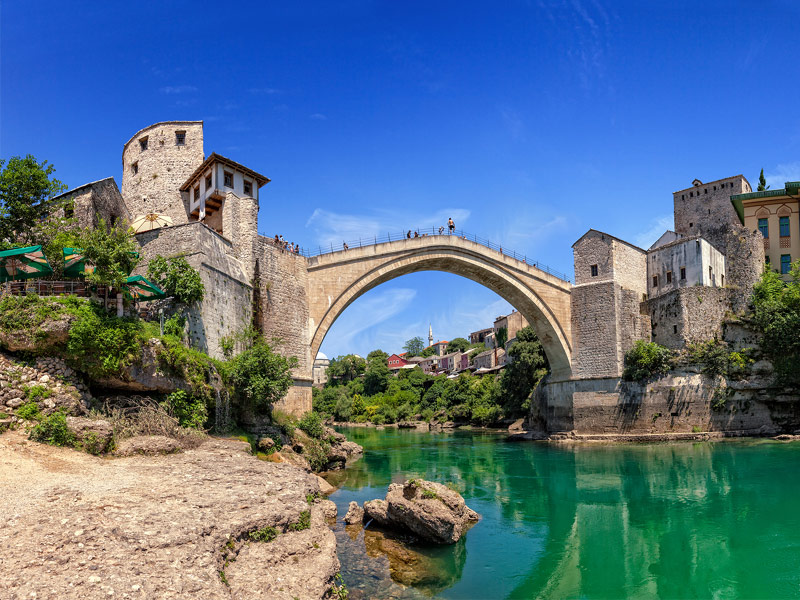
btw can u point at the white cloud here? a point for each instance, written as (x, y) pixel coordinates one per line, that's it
(353, 331)
(178, 89)
(334, 228)
(318, 117)
(783, 173)
(659, 225)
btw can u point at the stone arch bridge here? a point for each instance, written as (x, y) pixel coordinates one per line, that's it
(334, 281)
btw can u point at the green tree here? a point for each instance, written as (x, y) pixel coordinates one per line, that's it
(777, 314)
(344, 369)
(25, 187)
(429, 351)
(458, 344)
(646, 360)
(112, 250)
(261, 376)
(762, 182)
(377, 376)
(527, 366)
(414, 346)
(177, 278)
(379, 354)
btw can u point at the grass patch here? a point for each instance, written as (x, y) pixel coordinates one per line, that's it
(303, 522)
(265, 534)
(29, 411)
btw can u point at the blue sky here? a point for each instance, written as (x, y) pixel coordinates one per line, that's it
(528, 122)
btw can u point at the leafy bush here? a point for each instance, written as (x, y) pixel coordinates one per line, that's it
(777, 315)
(311, 423)
(646, 360)
(286, 422)
(303, 522)
(261, 376)
(29, 411)
(316, 453)
(177, 278)
(189, 410)
(716, 358)
(102, 344)
(53, 430)
(37, 392)
(175, 326)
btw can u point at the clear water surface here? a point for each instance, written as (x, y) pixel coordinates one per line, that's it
(671, 520)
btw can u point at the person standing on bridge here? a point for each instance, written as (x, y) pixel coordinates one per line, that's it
(345, 247)
(451, 227)
(441, 230)
(408, 235)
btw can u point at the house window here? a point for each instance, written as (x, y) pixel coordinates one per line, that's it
(143, 143)
(180, 138)
(69, 210)
(786, 263)
(711, 275)
(784, 226)
(683, 273)
(691, 224)
(248, 188)
(669, 276)
(197, 194)
(594, 270)
(228, 179)
(208, 182)
(135, 168)
(655, 281)
(767, 259)
(763, 227)
(674, 329)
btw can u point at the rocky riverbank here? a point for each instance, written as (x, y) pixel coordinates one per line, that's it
(208, 522)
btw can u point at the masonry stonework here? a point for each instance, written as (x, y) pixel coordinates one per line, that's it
(155, 164)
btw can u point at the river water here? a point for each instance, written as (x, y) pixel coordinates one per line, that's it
(670, 520)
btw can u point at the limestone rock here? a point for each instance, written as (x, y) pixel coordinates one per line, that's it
(265, 444)
(146, 375)
(428, 510)
(51, 334)
(327, 509)
(355, 514)
(147, 445)
(516, 425)
(291, 457)
(325, 487)
(94, 434)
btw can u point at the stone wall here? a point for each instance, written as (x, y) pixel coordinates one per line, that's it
(744, 250)
(687, 315)
(694, 255)
(707, 206)
(227, 306)
(283, 315)
(594, 330)
(681, 402)
(240, 226)
(93, 201)
(161, 169)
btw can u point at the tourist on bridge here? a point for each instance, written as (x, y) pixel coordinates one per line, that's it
(416, 234)
(345, 246)
(408, 235)
(451, 226)
(441, 230)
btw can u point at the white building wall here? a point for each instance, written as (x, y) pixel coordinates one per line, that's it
(704, 265)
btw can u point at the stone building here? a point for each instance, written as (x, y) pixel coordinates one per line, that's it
(320, 370)
(512, 323)
(479, 337)
(91, 202)
(775, 214)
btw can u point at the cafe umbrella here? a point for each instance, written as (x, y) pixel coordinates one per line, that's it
(142, 289)
(23, 263)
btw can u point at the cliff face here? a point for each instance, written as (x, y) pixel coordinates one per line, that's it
(178, 526)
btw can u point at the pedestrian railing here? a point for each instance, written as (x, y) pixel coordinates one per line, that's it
(427, 232)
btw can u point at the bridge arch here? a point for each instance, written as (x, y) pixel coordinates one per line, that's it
(336, 280)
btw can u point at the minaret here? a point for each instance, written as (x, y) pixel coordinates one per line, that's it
(430, 335)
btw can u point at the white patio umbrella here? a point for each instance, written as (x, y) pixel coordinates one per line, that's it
(149, 222)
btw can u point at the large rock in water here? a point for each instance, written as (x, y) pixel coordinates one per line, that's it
(429, 510)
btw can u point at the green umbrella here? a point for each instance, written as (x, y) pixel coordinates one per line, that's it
(75, 263)
(23, 263)
(139, 288)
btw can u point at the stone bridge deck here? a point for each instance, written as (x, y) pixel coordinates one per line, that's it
(337, 279)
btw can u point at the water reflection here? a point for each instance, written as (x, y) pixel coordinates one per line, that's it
(666, 520)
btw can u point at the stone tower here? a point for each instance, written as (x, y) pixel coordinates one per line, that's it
(156, 161)
(430, 334)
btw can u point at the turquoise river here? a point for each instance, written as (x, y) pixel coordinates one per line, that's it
(672, 520)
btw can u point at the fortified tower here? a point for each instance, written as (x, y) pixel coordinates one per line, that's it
(705, 208)
(156, 162)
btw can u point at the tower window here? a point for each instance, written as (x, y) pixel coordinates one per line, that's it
(683, 273)
(594, 270)
(691, 224)
(143, 143)
(669, 276)
(208, 182)
(135, 168)
(228, 179)
(763, 227)
(197, 193)
(248, 188)
(180, 138)
(655, 281)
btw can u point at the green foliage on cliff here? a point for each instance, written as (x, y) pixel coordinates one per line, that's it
(112, 250)
(191, 411)
(177, 278)
(717, 358)
(53, 430)
(311, 423)
(527, 367)
(646, 360)
(777, 315)
(260, 376)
